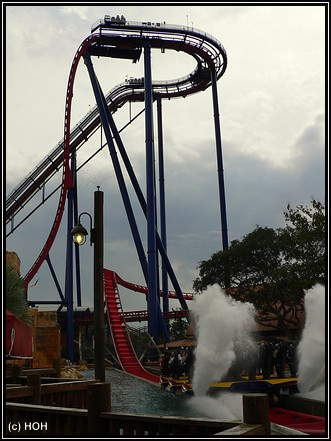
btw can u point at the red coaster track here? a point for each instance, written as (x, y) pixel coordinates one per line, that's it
(144, 289)
(126, 355)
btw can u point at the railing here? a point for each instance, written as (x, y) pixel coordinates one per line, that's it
(64, 394)
(41, 421)
(37, 420)
(27, 420)
(139, 316)
(129, 425)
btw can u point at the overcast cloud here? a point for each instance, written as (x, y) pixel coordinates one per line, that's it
(272, 105)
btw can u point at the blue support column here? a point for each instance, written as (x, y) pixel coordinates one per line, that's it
(143, 205)
(117, 167)
(161, 322)
(151, 211)
(162, 204)
(105, 118)
(220, 169)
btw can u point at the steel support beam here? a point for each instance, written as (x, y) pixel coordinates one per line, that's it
(162, 204)
(118, 172)
(162, 325)
(142, 201)
(220, 170)
(117, 167)
(57, 284)
(150, 191)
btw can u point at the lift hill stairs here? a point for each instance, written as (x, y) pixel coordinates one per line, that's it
(126, 355)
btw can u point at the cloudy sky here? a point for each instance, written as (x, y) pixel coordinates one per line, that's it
(272, 106)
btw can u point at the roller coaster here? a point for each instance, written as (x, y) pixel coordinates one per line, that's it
(115, 37)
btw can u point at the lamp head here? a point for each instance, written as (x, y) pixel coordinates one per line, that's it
(79, 234)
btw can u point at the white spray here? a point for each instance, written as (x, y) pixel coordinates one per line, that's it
(220, 321)
(311, 349)
(227, 405)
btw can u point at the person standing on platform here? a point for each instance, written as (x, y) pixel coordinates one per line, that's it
(174, 366)
(279, 358)
(189, 363)
(291, 358)
(164, 363)
(265, 358)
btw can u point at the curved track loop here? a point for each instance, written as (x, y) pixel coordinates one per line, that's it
(127, 41)
(131, 90)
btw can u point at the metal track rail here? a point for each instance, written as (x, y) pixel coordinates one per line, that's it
(119, 41)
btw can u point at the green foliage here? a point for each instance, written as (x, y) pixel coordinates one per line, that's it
(15, 295)
(178, 328)
(305, 240)
(272, 268)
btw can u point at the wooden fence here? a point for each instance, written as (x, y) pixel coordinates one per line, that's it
(83, 409)
(62, 394)
(27, 420)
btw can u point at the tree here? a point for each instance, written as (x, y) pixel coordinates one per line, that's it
(305, 238)
(272, 268)
(15, 295)
(178, 328)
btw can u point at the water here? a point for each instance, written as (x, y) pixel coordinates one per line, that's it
(131, 395)
(311, 349)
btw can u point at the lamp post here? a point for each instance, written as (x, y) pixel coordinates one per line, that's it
(79, 234)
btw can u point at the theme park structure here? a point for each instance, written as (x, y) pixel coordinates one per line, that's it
(115, 37)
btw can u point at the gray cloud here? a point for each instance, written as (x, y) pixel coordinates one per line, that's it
(272, 133)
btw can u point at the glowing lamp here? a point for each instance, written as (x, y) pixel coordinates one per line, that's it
(79, 234)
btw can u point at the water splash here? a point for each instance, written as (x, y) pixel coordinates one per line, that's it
(227, 405)
(220, 321)
(311, 349)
